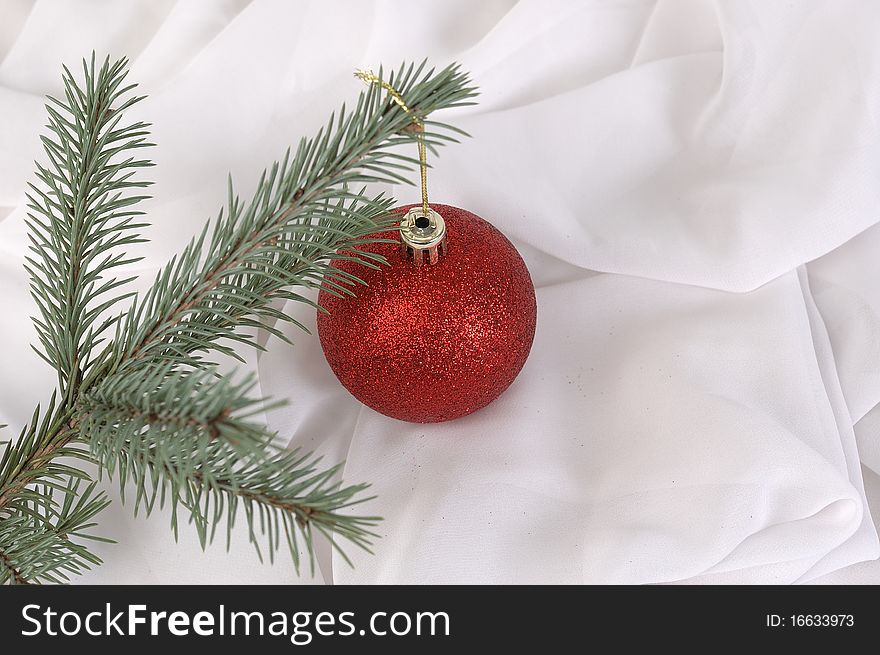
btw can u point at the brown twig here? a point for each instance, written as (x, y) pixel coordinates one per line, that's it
(17, 576)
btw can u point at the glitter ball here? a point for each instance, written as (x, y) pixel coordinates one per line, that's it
(435, 342)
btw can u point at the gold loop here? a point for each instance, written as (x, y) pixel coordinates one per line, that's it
(371, 78)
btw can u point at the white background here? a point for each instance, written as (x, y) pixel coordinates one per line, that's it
(693, 185)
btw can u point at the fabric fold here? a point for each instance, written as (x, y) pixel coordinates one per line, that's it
(663, 446)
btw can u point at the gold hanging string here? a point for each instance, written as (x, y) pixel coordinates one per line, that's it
(371, 78)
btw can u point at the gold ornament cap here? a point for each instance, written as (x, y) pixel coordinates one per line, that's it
(423, 236)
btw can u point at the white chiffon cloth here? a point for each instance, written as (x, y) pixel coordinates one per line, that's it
(693, 185)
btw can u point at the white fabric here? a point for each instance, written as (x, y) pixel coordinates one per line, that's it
(698, 388)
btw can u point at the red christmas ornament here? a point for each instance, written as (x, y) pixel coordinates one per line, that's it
(428, 342)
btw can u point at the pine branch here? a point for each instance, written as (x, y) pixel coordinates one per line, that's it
(33, 458)
(307, 500)
(194, 430)
(43, 508)
(181, 409)
(41, 543)
(149, 404)
(81, 218)
(300, 218)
